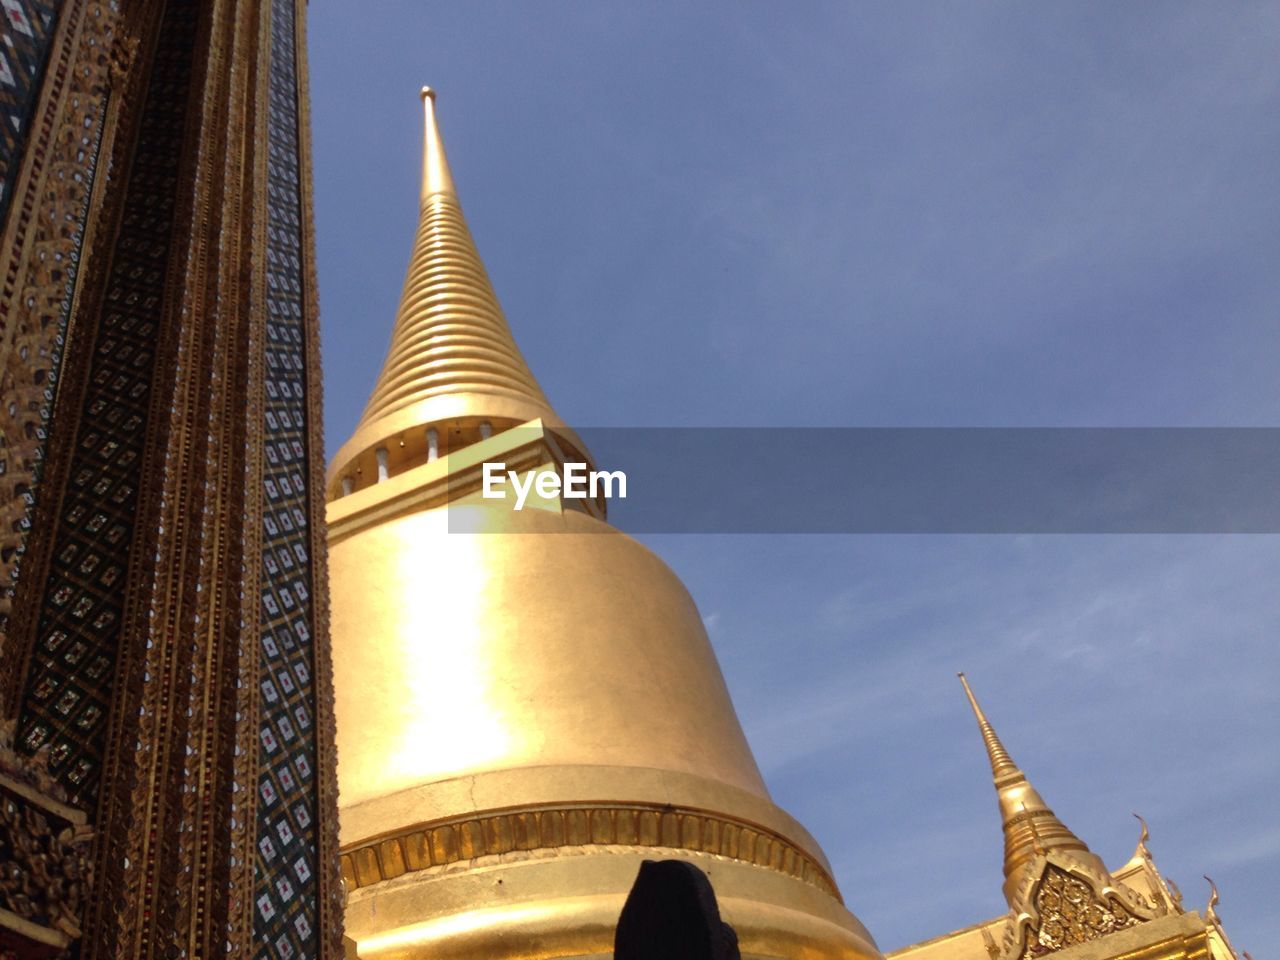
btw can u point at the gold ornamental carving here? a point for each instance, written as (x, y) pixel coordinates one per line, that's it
(514, 833)
(1065, 905)
(1071, 913)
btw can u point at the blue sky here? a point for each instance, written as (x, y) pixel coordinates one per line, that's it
(889, 214)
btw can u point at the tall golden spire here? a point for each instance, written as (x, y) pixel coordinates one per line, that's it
(453, 364)
(1030, 827)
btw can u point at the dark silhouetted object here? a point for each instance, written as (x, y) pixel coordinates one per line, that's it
(671, 914)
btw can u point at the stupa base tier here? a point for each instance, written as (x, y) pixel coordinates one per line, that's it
(564, 903)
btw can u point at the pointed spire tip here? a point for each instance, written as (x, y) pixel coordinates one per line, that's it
(436, 177)
(1001, 763)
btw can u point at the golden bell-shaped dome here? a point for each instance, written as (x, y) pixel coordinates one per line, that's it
(527, 703)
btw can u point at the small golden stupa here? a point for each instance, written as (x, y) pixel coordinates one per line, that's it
(528, 711)
(1064, 902)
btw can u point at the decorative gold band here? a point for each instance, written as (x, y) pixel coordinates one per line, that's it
(442, 842)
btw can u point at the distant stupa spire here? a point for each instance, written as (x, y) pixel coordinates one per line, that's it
(1040, 850)
(1030, 827)
(453, 364)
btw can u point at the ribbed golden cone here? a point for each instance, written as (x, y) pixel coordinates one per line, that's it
(452, 361)
(1030, 827)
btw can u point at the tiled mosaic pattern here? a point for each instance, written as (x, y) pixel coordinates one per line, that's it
(286, 886)
(44, 355)
(65, 707)
(25, 37)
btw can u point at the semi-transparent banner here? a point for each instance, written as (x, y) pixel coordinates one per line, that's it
(881, 480)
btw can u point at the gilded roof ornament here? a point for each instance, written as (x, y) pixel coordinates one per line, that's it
(1142, 850)
(1211, 908)
(1220, 947)
(1166, 896)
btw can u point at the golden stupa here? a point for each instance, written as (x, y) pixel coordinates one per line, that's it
(528, 711)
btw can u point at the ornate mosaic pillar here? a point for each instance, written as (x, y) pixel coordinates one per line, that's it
(57, 63)
(167, 654)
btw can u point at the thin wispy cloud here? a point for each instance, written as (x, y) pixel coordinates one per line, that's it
(1123, 673)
